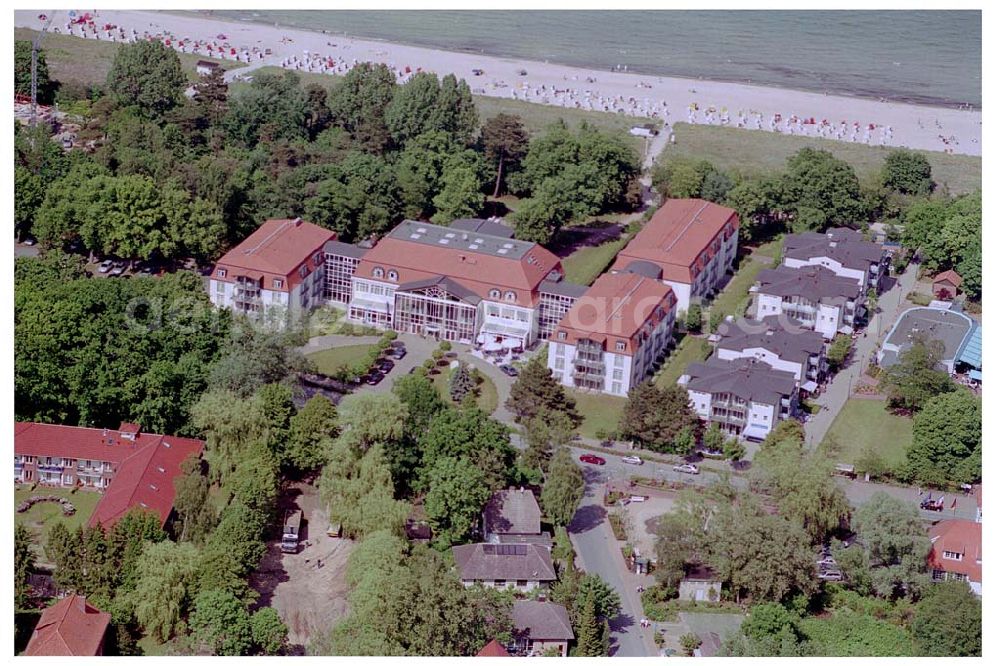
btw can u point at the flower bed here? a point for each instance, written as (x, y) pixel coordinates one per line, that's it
(67, 507)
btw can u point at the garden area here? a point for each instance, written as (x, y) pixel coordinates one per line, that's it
(586, 263)
(690, 350)
(40, 517)
(329, 361)
(736, 292)
(863, 426)
(487, 398)
(600, 412)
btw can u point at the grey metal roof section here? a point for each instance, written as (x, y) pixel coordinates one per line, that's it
(794, 344)
(446, 283)
(479, 226)
(744, 378)
(438, 236)
(562, 288)
(344, 249)
(645, 268)
(814, 283)
(846, 246)
(486, 561)
(952, 328)
(542, 620)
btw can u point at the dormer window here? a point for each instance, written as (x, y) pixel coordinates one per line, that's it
(952, 555)
(378, 272)
(393, 275)
(318, 259)
(509, 296)
(495, 293)
(620, 346)
(304, 271)
(221, 272)
(561, 335)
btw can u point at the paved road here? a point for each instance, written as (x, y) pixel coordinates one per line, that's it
(891, 304)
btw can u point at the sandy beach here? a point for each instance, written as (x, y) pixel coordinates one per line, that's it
(669, 100)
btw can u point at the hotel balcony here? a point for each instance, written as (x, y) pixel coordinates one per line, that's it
(589, 364)
(51, 468)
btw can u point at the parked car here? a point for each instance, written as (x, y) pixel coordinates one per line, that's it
(686, 469)
(827, 561)
(374, 378)
(592, 459)
(508, 370)
(386, 365)
(105, 266)
(398, 353)
(29, 241)
(118, 268)
(831, 575)
(632, 460)
(146, 271)
(928, 504)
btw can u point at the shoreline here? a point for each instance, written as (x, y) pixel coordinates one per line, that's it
(934, 103)
(659, 99)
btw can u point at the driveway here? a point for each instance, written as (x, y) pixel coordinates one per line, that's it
(839, 389)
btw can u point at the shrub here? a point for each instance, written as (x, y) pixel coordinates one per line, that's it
(918, 298)
(690, 643)
(445, 346)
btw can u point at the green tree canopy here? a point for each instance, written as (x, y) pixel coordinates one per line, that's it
(948, 622)
(916, 377)
(146, 74)
(563, 489)
(536, 390)
(947, 440)
(457, 495)
(907, 172)
(659, 419)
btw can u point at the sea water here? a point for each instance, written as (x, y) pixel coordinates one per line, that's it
(927, 57)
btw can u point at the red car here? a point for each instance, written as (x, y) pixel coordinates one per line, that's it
(592, 459)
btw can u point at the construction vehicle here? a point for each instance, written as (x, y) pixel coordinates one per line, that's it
(290, 533)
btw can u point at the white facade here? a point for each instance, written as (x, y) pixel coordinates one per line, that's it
(682, 290)
(860, 276)
(271, 302)
(710, 277)
(736, 416)
(825, 319)
(766, 356)
(518, 585)
(620, 370)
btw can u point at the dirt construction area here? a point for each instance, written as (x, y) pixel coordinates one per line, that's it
(308, 588)
(643, 517)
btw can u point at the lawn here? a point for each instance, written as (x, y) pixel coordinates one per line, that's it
(488, 399)
(864, 424)
(752, 151)
(43, 515)
(736, 291)
(599, 410)
(690, 350)
(587, 263)
(329, 360)
(86, 62)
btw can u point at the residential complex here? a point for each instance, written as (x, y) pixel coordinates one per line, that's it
(456, 285)
(614, 332)
(781, 346)
(276, 274)
(814, 296)
(689, 244)
(845, 252)
(744, 397)
(132, 468)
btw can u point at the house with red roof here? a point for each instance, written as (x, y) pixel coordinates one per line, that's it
(957, 552)
(459, 284)
(71, 627)
(612, 335)
(946, 285)
(132, 468)
(688, 244)
(277, 272)
(493, 649)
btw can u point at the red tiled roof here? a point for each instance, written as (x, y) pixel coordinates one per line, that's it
(275, 250)
(616, 308)
(493, 649)
(676, 235)
(70, 628)
(146, 466)
(950, 277)
(476, 271)
(130, 428)
(957, 536)
(146, 480)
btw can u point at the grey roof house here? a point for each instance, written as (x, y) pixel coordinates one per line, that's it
(513, 516)
(539, 626)
(519, 566)
(814, 296)
(841, 250)
(783, 347)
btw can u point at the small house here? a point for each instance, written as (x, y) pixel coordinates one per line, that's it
(946, 285)
(72, 627)
(957, 552)
(522, 567)
(701, 584)
(540, 627)
(493, 649)
(513, 516)
(205, 67)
